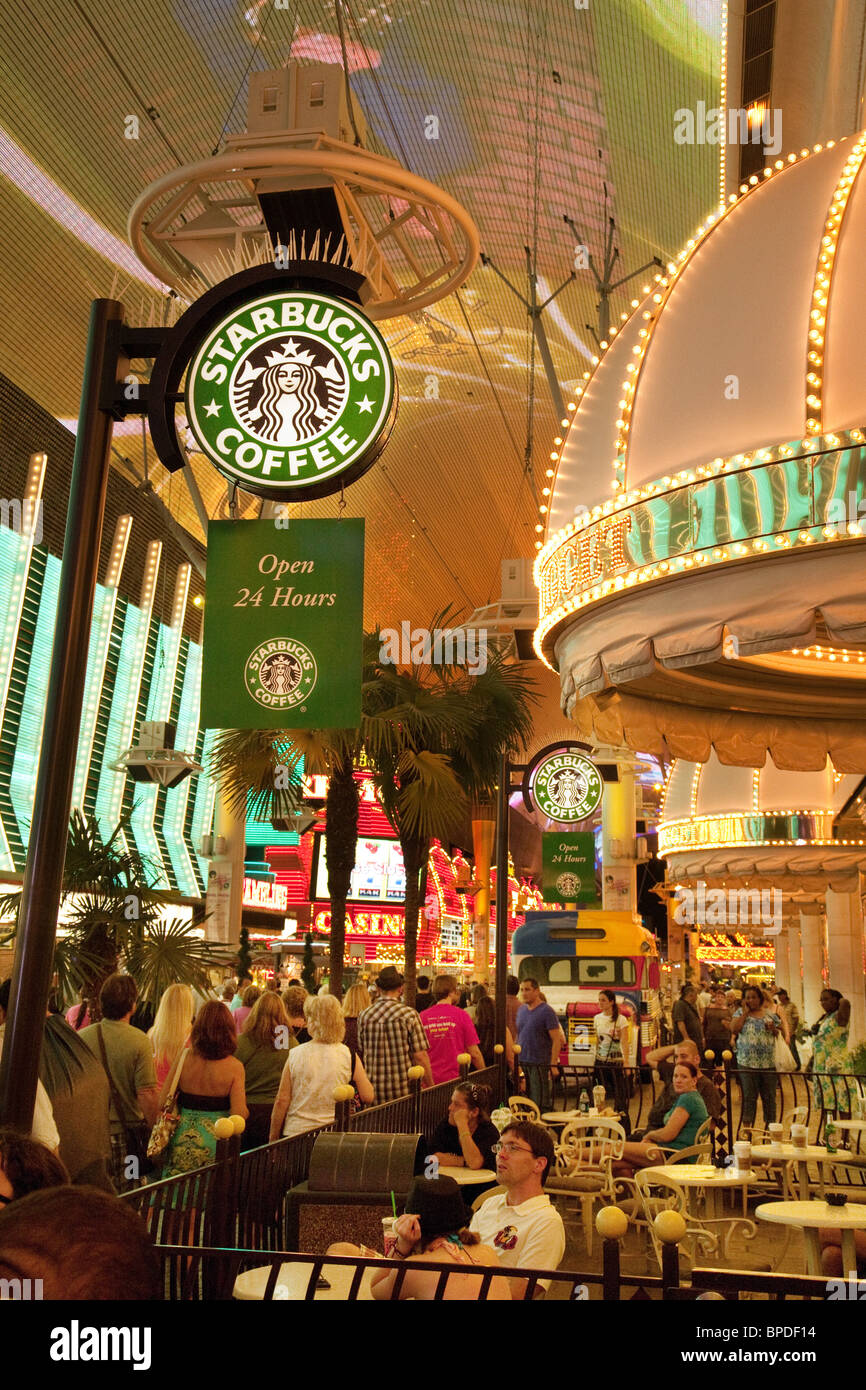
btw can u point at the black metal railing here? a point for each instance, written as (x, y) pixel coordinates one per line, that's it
(823, 1096)
(239, 1199)
(193, 1273)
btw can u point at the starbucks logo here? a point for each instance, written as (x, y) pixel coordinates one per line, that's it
(280, 674)
(291, 395)
(568, 885)
(289, 391)
(567, 787)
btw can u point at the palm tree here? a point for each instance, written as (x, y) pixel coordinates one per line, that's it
(455, 728)
(258, 772)
(501, 699)
(113, 919)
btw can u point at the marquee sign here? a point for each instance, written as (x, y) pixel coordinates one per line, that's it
(274, 897)
(783, 827)
(291, 395)
(562, 783)
(728, 510)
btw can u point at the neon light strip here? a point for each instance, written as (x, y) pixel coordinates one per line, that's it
(104, 608)
(22, 782)
(31, 515)
(177, 798)
(159, 704)
(205, 797)
(822, 288)
(126, 695)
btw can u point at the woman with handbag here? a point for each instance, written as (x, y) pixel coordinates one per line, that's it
(210, 1084)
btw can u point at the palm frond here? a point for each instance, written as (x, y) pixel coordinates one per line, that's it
(169, 953)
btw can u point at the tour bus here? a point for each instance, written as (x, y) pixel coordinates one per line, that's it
(573, 955)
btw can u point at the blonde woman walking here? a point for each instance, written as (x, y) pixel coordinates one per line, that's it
(171, 1029)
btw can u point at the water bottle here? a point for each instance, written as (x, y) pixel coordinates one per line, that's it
(830, 1137)
(583, 1102)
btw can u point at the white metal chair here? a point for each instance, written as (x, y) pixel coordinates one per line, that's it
(522, 1108)
(587, 1148)
(657, 1191)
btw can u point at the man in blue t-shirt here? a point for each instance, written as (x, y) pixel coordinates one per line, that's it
(540, 1038)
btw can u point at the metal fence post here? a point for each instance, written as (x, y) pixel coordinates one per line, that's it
(670, 1227)
(611, 1224)
(502, 1080)
(416, 1076)
(221, 1214)
(343, 1097)
(727, 1058)
(516, 1076)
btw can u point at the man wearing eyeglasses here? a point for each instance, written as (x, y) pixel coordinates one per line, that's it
(521, 1224)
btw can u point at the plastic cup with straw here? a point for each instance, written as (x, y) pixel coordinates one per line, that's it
(389, 1233)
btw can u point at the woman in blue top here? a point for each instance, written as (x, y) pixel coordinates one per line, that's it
(681, 1125)
(755, 1028)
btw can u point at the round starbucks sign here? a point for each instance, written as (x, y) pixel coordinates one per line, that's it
(280, 674)
(566, 787)
(291, 395)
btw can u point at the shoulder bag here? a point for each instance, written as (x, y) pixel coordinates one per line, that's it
(168, 1118)
(136, 1133)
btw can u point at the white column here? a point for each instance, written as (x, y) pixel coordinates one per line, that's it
(845, 957)
(795, 968)
(618, 867)
(812, 938)
(781, 969)
(226, 876)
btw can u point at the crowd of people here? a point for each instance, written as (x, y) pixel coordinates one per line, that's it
(760, 1028)
(274, 1058)
(271, 1056)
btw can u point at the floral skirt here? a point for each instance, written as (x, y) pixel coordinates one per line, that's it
(193, 1143)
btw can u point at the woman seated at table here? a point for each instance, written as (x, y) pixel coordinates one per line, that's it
(435, 1228)
(681, 1125)
(466, 1138)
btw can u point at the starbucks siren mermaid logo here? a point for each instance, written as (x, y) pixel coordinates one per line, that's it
(286, 392)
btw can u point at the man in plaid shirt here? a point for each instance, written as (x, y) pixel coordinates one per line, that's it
(391, 1039)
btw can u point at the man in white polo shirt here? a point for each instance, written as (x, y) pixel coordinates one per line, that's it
(521, 1224)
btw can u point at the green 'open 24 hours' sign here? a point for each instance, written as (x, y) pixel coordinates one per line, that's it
(283, 625)
(292, 395)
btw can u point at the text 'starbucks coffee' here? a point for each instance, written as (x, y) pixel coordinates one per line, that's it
(291, 392)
